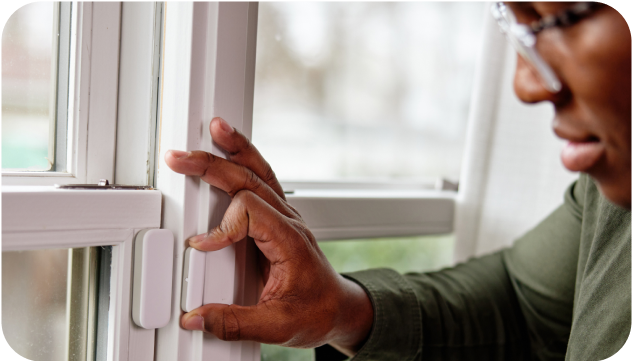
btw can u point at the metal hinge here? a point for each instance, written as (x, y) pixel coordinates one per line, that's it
(103, 184)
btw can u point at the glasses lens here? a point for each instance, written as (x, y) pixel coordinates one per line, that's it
(523, 40)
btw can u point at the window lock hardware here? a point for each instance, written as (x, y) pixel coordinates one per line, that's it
(103, 184)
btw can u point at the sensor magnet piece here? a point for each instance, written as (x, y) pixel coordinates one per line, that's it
(193, 279)
(153, 270)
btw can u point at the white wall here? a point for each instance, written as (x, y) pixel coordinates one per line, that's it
(526, 179)
(512, 174)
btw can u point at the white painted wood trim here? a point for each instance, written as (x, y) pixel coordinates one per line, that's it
(32, 209)
(137, 100)
(27, 241)
(127, 341)
(479, 138)
(348, 215)
(106, 27)
(207, 55)
(93, 94)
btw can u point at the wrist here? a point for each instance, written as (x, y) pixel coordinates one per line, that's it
(354, 320)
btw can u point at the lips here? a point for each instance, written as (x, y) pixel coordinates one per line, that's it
(581, 156)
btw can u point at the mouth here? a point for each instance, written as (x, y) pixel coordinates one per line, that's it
(581, 156)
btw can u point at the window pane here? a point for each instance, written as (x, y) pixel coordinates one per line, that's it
(34, 287)
(30, 43)
(403, 254)
(364, 90)
(278, 353)
(50, 303)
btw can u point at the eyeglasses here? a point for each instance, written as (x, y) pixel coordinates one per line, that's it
(523, 36)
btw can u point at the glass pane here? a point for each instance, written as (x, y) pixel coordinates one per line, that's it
(403, 254)
(278, 353)
(34, 288)
(364, 90)
(52, 300)
(28, 87)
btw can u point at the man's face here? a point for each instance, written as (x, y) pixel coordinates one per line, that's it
(592, 111)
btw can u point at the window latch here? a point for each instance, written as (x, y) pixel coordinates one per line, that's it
(103, 184)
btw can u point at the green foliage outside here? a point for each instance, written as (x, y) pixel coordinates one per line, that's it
(17, 156)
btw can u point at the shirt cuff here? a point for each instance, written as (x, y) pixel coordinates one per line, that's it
(396, 332)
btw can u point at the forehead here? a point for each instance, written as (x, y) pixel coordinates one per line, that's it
(541, 8)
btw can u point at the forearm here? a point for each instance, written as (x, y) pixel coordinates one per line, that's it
(468, 312)
(471, 305)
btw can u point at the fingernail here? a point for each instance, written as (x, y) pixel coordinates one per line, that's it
(195, 323)
(197, 239)
(225, 126)
(178, 154)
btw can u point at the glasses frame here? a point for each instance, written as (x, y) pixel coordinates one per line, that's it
(523, 36)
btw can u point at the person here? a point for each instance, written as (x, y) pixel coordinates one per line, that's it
(562, 291)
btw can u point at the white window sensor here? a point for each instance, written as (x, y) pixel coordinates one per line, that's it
(193, 279)
(153, 270)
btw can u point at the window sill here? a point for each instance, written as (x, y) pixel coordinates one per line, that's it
(348, 214)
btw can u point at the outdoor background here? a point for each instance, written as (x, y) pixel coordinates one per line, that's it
(27, 55)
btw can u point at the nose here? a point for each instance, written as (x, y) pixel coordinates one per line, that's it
(529, 87)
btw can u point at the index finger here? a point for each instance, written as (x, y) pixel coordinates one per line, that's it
(243, 152)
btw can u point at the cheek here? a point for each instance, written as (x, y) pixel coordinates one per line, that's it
(595, 65)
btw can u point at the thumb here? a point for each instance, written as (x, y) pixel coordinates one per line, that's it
(258, 323)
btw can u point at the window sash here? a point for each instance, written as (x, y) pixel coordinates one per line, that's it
(45, 218)
(92, 100)
(352, 214)
(207, 71)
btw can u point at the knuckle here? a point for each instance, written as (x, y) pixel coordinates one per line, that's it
(210, 159)
(243, 196)
(230, 325)
(246, 147)
(269, 174)
(252, 182)
(294, 210)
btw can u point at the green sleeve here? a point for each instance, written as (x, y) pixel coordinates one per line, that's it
(511, 305)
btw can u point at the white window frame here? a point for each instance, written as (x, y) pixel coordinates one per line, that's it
(93, 98)
(207, 70)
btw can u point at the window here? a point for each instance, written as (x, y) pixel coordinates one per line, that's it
(63, 291)
(35, 62)
(34, 288)
(74, 247)
(142, 74)
(361, 110)
(58, 94)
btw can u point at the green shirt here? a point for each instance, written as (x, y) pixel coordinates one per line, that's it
(562, 291)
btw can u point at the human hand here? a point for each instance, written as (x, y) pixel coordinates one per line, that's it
(304, 303)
